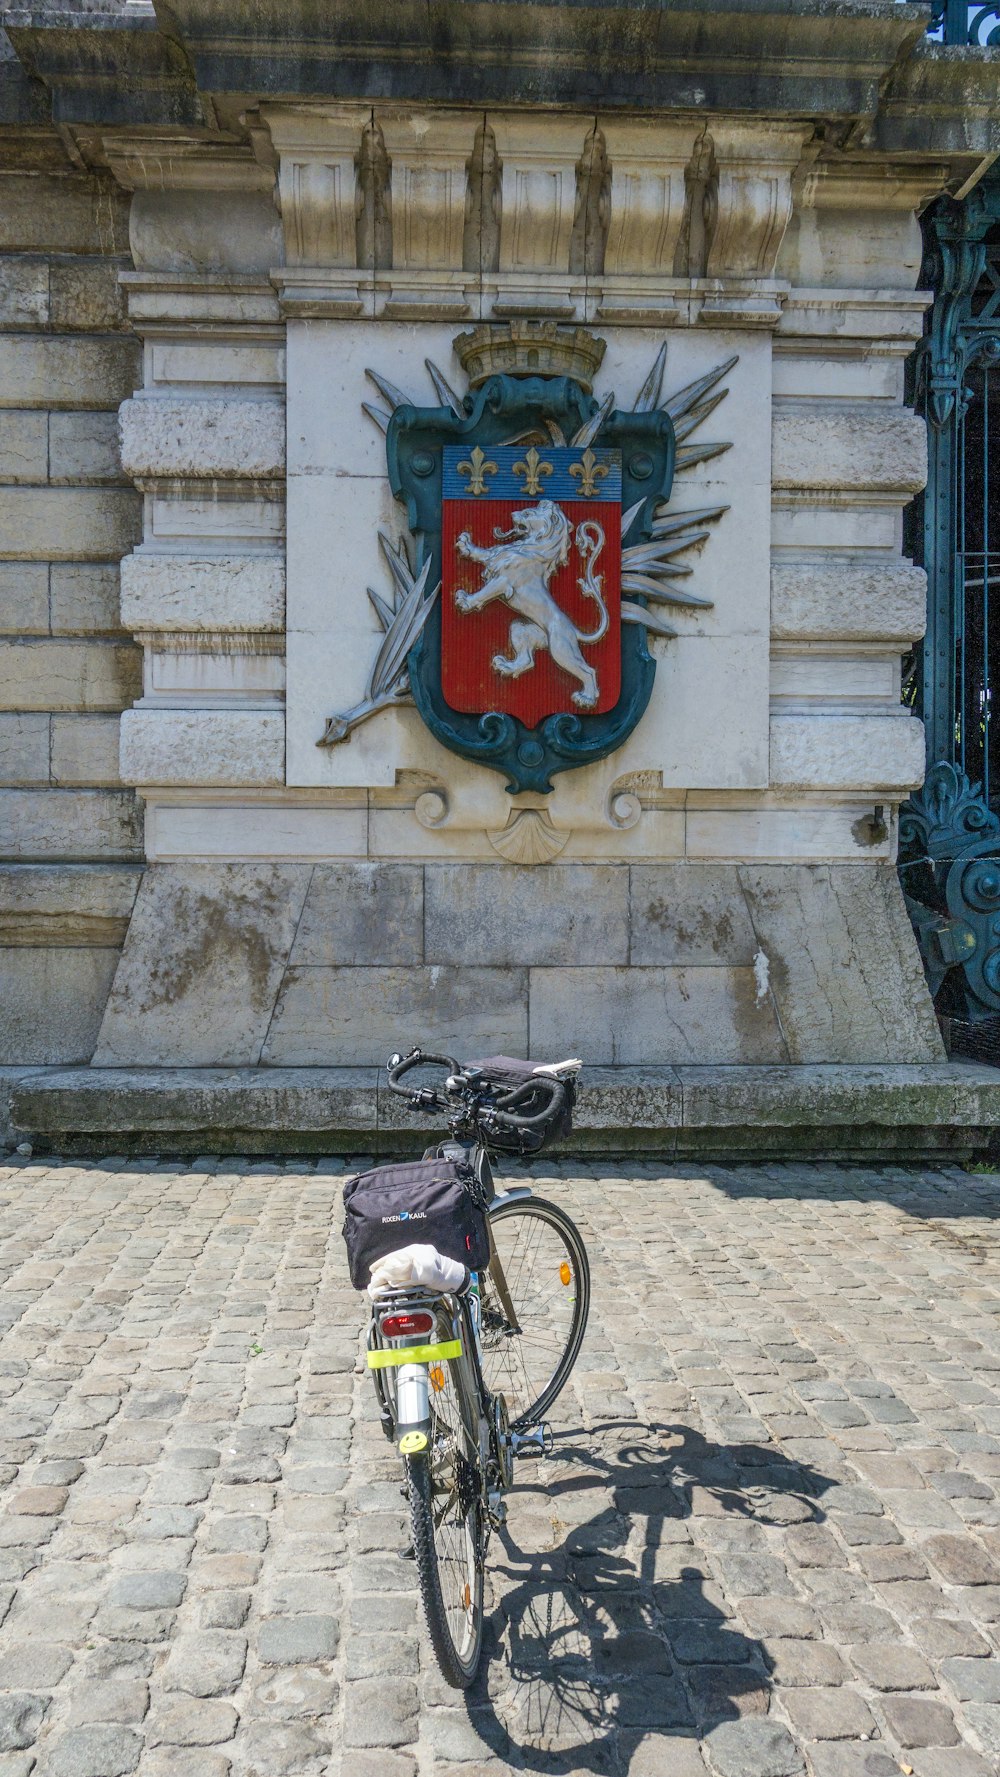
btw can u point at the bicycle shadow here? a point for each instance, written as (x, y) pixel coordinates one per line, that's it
(618, 1629)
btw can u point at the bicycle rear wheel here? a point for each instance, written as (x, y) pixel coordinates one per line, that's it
(547, 1275)
(446, 1516)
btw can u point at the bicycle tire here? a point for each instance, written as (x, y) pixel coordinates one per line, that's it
(502, 1372)
(458, 1665)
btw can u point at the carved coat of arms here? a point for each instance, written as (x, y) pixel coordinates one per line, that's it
(545, 549)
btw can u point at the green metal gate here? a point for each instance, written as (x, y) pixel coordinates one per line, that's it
(950, 830)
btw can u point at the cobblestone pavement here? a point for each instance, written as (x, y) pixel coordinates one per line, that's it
(768, 1543)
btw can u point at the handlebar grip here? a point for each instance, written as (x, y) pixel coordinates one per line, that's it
(397, 1068)
(503, 1110)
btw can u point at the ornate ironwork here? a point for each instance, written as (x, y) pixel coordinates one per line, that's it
(950, 830)
(958, 21)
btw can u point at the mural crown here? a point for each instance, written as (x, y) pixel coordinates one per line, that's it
(530, 348)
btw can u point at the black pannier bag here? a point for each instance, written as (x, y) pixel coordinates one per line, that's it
(427, 1202)
(508, 1073)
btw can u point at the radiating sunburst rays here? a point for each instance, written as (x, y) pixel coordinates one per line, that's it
(652, 570)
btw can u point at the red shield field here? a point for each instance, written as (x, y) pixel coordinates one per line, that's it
(531, 604)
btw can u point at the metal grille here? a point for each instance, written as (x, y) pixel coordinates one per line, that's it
(955, 21)
(976, 580)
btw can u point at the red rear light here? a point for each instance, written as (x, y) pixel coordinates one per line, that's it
(398, 1326)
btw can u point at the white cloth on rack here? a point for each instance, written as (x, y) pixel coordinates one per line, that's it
(422, 1265)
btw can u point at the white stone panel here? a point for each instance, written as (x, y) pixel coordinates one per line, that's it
(848, 447)
(338, 498)
(837, 374)
(228, 518)
(210, 361)
(201, 674)
(860, 600)
(182, 592)
(878, 753)
(840, 522)
(202, 438)
(818, 675)
(809, 828)
(253, 829)
(239, 747)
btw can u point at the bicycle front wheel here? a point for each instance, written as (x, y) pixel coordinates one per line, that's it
(545, 1275)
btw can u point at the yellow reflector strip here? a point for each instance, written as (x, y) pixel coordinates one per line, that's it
(411, 1442)
(414, 1354)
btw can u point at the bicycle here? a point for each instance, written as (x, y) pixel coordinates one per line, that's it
(464, 1379)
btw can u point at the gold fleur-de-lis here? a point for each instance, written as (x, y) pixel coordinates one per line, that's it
(477, 470)
(589, 471)
(532, 468)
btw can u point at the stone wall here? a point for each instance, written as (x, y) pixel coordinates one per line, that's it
(224, 269)
(70, 831)
(669, 963)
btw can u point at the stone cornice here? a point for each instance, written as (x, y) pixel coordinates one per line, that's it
(862, 68)
(104, 68)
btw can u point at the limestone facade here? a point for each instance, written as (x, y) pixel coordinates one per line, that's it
(193, 284)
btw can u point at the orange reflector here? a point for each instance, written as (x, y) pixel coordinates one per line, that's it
(436, 1375)
(467, 1595)
(565, 1274)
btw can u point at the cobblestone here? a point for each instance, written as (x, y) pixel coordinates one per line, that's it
(767, 1543)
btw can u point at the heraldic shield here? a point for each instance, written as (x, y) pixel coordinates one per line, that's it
(543, 548)
(531, 586)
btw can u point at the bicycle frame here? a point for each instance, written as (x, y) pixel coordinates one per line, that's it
(401, 1366)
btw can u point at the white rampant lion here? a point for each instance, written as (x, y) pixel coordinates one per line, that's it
(519, 567)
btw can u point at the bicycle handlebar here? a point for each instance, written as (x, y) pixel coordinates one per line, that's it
(469, 1084)
(503, 1108)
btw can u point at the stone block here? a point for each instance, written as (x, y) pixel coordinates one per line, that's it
(52, 1002)
(63, 370)
(652, 1015)
(24, 598)
(497, 914)
(689, 913)
(85, 294)
(357, 1016)
(842, 963)
(362, 914)
(24, 749)
(228, 592)
(62, 213)
(53, 904)
(68, 675)
(226, 436)
(863, 446)
(69, 824)
(204, 939)
(84, 598)
(84, 447)
(24, 447)
(68, 523)
(85, 750)
(198, 231)
(24, 292)
(210, 747)
(307, 1101)
(883, 754)
(849, 601)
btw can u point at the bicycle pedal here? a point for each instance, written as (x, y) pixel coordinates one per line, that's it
(537, 1441)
